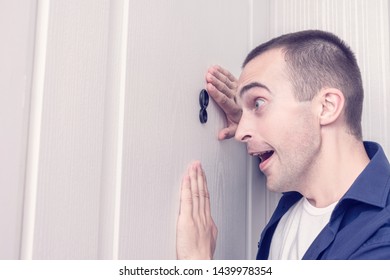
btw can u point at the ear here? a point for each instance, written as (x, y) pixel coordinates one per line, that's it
(332, 101)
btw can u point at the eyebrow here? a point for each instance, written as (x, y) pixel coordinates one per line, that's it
(253, 85)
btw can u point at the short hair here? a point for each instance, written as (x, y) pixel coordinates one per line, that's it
(316, 59)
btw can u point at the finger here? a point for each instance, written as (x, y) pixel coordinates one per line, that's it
(227, 132)
(194, 189)
(207, 198)
(185, 197)
(226, 73)
(227, 104)
(222, 84)
(224, 76)
(202, 193)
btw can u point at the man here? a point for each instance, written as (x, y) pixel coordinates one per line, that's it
(297, 106)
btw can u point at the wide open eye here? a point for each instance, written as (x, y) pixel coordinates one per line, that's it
(259, 102)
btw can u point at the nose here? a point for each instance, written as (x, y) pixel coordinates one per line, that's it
(243, 132)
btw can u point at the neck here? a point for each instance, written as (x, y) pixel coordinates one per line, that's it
(339, 163)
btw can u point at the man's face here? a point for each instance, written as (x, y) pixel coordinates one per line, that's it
(275, 126)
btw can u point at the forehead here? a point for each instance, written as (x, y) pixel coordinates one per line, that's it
(267, 69)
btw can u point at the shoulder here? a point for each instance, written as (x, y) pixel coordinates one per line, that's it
(377, 246)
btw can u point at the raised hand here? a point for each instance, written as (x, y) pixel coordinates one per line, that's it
(222, 87)
(196, 233)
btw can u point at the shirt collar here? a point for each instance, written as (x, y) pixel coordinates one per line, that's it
(372, 186)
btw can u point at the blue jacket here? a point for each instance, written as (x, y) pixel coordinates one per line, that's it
(359, 227)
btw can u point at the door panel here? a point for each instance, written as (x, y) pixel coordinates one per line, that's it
(169, 51)
(61, 217)
(17, 20)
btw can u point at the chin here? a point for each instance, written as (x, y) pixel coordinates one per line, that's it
(277, 187)
(272, 187)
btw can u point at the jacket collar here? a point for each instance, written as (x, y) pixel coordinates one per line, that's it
(371, 186)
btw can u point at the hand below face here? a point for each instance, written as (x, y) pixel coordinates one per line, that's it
(196, 232)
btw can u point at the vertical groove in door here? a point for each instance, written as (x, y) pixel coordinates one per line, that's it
(111, 175)
(122, 94)
(32, 167)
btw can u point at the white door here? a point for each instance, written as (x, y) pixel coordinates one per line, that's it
(119, 122)
(17, 20)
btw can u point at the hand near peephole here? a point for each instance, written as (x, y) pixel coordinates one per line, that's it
(196, 232)
(222, 87)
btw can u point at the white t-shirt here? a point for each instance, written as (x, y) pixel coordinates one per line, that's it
(297, 229)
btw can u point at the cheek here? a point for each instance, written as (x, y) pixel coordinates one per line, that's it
(282, 124)
(295, 130)
(308, 138)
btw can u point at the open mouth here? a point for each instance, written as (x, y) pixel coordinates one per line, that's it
(263, 156)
